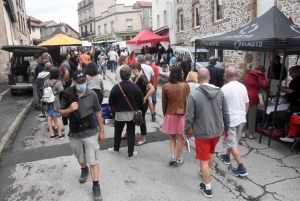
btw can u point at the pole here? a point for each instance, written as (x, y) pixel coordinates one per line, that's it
(261, 132)
(266, 105)
(277, 98)
(195, 57)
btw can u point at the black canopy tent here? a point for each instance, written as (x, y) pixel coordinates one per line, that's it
(57, 31)
(267, 33)
(292, 45)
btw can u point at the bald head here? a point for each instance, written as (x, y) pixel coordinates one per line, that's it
(231, 74)
(47, 66)
(294, 71)
(203, 75)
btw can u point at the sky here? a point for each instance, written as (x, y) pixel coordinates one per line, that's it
(60, 10)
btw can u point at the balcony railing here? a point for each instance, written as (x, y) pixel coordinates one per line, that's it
(87, 33)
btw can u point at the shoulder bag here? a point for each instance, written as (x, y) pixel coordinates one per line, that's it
(138, 118)
(262, 95)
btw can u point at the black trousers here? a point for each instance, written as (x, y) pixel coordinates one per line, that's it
(119, 125)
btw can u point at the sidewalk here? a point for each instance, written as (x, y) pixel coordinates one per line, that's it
(35, 168)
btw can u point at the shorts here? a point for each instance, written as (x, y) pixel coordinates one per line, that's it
(102, 69)
(234, 137)
(52, 112)
(205, 147)
(154, 101)
(85, 149)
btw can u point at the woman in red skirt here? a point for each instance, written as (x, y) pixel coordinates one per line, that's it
(174, 101)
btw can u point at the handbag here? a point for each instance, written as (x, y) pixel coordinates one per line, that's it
(262, 95)
(138, 118)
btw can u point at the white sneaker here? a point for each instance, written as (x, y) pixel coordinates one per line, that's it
(112, 151)
(135, 153)
(286, 139)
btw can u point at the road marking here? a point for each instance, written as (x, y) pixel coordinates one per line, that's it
(2, 94)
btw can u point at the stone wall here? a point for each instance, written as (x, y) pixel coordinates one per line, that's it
(236, 13)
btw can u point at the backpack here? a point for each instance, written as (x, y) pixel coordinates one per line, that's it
(48, 96)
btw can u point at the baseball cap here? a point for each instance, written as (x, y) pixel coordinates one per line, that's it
(79, 75)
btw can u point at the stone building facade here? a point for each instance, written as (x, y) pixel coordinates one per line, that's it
(204, 18)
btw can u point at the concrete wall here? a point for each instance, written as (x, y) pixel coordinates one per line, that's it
(158, 8)
(146, 17)
(35, 33)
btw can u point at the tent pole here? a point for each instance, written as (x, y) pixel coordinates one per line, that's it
(195, 57)
(277, 98)
(266, 105)
(261, 132)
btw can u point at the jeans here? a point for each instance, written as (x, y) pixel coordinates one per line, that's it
(102, 69)
(119, 125)
(154, 101)
(114, 65)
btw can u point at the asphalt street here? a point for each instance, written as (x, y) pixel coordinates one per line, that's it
(33, 167)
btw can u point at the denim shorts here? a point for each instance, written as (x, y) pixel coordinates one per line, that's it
(154, 101)
(52, 112)
(102, 69)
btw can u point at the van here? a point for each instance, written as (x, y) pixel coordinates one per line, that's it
(21, 58)
(202, 56)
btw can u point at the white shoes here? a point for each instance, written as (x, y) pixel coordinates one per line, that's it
(286, 139)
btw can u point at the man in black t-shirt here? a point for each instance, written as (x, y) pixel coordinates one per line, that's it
(293, 97)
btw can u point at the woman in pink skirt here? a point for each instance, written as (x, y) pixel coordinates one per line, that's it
(174, 100)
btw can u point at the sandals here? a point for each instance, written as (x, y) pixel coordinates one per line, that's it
(137, 144)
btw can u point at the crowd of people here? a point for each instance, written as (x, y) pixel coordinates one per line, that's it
(193, 103)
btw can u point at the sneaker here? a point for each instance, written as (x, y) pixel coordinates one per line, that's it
(153, 117)
(103, 78)
(112, 151)
(252, 136)
(61, 137)
(135, 153)
(179, 163)
(42, 115)
(239, 172)
(286, 139)
(244, 135)
(52, 137)
(225, 159)
(97, 193)
(172, 161)
(84, 175)
(207, 193)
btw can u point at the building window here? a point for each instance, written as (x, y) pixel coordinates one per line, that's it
(218, 10)
(99, 30)
(180, 18)
(33, 29)
(66, 29)
(105, 28)
(91, 27)
(129, 24)
(90, 13)
(165, 18)
(81, 30)
(150, 12)
(112, 27)
(196, 15)
(81, 18)
(85, 16)
(150, 25)
(158, 24)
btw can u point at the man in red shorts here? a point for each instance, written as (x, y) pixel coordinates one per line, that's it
(207, 113)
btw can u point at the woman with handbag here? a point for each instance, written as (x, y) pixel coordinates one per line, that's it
(174, 101)
(126, 98)
(143, 83)
(253, 81)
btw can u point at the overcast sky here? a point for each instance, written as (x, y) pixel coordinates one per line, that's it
(60, 10)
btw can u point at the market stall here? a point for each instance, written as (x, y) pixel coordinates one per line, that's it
(267, 33)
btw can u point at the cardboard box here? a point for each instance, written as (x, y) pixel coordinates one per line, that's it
(20, 78)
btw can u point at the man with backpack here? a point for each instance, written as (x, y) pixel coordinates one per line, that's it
(41, 78)
(216, 75)
(65, 76)
(36, 59)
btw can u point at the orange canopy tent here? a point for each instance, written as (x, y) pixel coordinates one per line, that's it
(146, 36)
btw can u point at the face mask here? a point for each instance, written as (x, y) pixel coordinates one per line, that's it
(134, 75)
(148, 62)
(81, 87)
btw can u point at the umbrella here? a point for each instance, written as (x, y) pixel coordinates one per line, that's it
(61, 40)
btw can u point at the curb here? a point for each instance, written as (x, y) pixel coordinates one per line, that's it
(14, 125)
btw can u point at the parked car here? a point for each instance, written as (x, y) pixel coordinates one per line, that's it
(18, 64)
(202, 56)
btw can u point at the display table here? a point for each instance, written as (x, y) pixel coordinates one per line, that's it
(271, 107)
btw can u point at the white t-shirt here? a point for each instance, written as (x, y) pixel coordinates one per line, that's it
(124, 53)
(236, 96)
(148, 71)
(113, 56)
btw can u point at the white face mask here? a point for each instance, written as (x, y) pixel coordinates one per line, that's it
(148, 62)
(134, 75)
